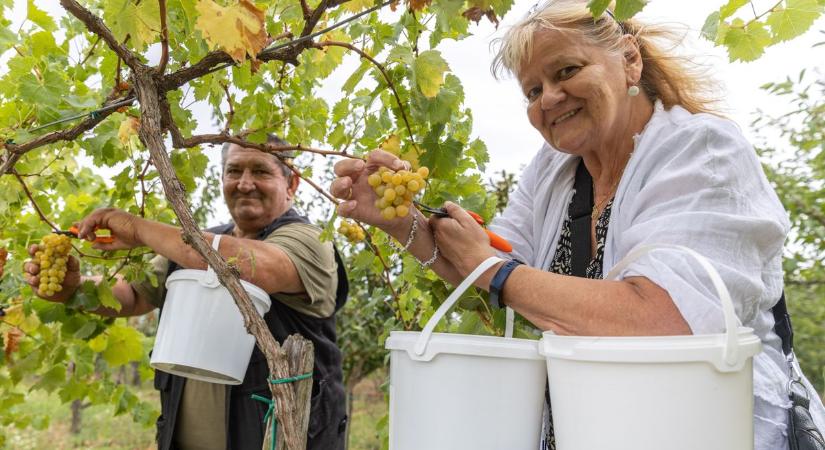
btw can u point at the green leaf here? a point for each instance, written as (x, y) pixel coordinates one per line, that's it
(793, 20)
(711, 27)
(39, 17)
(626, 9)
(140, 21)
(747, 43)
(731, 7)
(51, 380)
(107, 299)
(124, 345)
(597, 7)
(429, 70)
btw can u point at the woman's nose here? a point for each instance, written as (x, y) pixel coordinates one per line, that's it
(551, 95)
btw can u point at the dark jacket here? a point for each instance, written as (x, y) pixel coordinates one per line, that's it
(245, 428)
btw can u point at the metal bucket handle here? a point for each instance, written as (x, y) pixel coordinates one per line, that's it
(730, 354)
(210, 279)
(424, 337)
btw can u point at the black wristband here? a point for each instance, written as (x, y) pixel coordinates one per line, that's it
(497, 284)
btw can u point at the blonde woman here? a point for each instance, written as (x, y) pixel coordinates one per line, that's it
(611, 99)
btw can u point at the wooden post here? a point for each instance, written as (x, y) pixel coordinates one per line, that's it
(301, 356)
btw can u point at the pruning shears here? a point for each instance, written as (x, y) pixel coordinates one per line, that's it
(496, 241)
(73, 232)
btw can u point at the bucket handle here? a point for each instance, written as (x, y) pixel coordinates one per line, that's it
(730, 353)
(211, 278)
(426, 333)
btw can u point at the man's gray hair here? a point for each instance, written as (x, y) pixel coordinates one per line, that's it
(272, 139)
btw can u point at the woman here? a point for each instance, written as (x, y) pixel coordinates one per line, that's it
(664, 170)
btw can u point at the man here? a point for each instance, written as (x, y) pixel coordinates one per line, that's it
(275, 249)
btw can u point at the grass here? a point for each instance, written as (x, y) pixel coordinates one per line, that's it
(101, 430)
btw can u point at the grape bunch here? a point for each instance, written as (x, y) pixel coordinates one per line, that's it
(351, 231)
(396, 190)
(52, 259)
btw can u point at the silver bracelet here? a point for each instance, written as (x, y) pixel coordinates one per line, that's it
(432, 259)
(410, 239)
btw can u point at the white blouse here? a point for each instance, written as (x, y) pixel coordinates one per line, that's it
(695, 181)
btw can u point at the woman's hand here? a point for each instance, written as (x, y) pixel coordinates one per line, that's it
(31, 272)
(359, 197)
(123, 226)
(460, 239)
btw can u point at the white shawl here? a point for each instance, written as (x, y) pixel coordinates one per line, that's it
(693, 180)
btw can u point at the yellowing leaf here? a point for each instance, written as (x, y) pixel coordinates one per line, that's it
(123, 346)
(392, 144)
(357, 5)
(746, 43)
(793, 20)
(238, 30)
(140, 21)
(429, 70)
(99, 343)
(128, 128)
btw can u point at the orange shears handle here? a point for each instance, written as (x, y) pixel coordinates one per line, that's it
(100, 239)
(496, 241)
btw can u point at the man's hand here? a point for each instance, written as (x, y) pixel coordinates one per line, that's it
(31, 271)
(123, 226)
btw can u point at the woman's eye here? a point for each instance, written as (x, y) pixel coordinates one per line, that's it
(568, 72)
(533, 93)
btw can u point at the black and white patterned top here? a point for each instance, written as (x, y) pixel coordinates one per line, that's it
(562, 265)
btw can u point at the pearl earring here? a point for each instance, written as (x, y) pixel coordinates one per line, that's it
(633, 91)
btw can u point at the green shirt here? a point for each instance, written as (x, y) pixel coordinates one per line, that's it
(201, 421)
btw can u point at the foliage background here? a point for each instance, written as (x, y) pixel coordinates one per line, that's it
(57, 69)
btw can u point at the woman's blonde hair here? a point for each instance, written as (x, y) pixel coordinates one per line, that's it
(674, 79)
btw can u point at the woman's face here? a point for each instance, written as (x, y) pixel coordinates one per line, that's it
(576, 92)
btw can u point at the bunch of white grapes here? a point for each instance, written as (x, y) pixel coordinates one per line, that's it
(52, 258)
(351, 231)
(396, 190)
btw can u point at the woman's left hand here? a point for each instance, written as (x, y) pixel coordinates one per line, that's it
(460, 239)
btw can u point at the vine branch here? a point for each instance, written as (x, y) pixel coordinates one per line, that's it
(164, 38)
(383, 71)
(32, 201)
(96, 26)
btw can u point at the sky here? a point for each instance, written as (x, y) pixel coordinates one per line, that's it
(498, 107)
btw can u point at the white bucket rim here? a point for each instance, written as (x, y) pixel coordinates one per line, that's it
(257, 294)
(464, 344)
(650, 349)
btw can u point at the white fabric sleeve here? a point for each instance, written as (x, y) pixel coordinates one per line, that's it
(706, 191)
(516, 222)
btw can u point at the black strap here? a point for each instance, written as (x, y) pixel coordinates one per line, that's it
(782, 324)
(580, 209)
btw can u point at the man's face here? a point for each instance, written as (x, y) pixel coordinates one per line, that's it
(254, 187)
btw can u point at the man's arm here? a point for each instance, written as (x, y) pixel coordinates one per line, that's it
(260, 263)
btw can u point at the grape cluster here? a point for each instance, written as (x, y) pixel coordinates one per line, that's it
(351, 231)
(52, 259)
(396, 190)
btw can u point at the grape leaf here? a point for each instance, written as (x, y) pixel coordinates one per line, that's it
(429, 70)
(731, 7)
(238, 30)
(626, 9)
(597, 7)
(124, 345)
(794, 19)
(39, 17)
(746, 43)
(140, 21)
(107, 299)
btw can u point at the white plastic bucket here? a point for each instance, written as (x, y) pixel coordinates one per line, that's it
(654, 393)
(462, 392)
(201, 334)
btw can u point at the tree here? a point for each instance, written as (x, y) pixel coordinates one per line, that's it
(81, 92)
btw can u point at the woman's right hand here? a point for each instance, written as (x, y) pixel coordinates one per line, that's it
(359, 197)
(31, 271)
